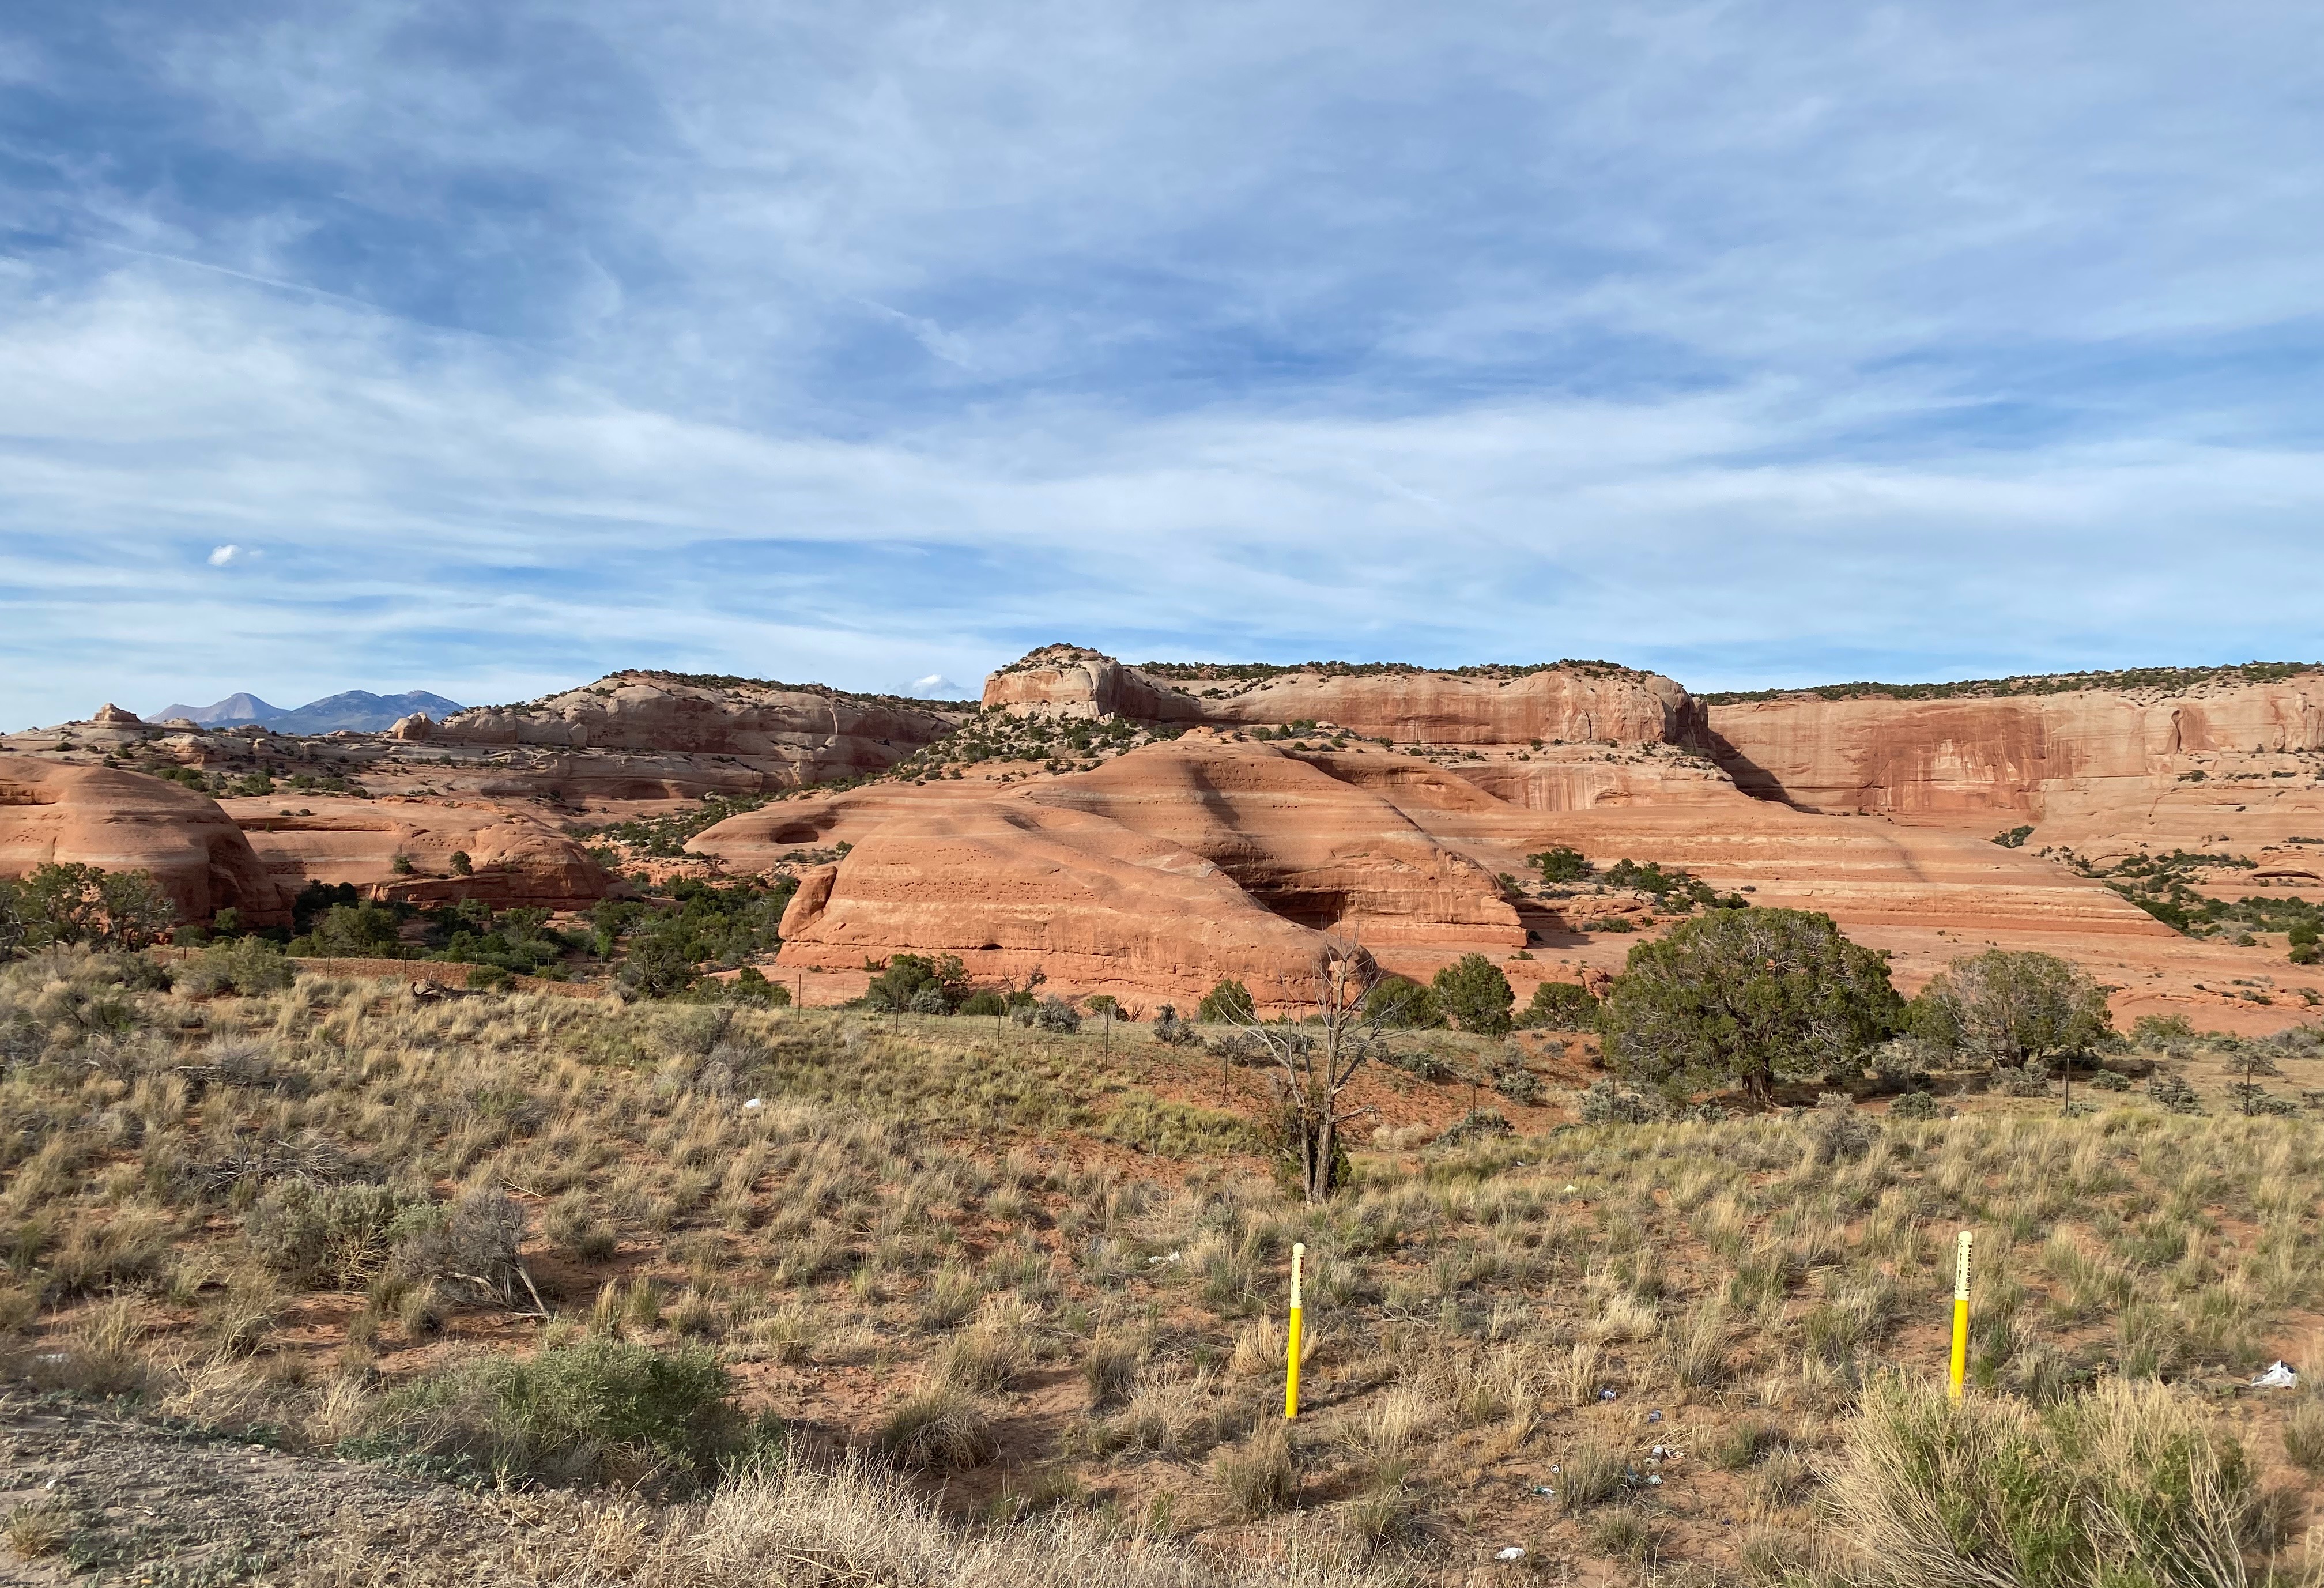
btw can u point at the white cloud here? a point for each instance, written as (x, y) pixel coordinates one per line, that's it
(849, 345)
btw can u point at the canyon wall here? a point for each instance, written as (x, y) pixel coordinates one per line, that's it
(2216, 761)
(1571, 703)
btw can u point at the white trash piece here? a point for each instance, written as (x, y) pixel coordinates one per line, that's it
(1514, 1552)
(2278, 1376)
(755, 1103)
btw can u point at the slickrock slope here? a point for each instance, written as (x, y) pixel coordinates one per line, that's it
(124, 821)
(1574, 702)
(1310, 847)
(790, 735)
(517, 858)
(2219, 762)
(1013, 887)
(1168, 869)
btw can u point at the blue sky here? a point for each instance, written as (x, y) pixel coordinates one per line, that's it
(870, 343)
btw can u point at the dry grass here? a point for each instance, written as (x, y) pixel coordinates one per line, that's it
(2124, 1484)
(37, 1529)
(942, 1205)
(1256, 1475)
(939, 1426)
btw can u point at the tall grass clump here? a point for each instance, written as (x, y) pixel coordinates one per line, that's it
(2122, 1485)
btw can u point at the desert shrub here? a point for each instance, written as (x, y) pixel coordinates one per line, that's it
(363, 930)
(750, 986)
(1173, 1032)
(1841, 1133)
(984, 1002)
(2156, 1032)
(939, 1426)
(1474, 995)
(1744, 997)
(2126, 1484)
(2173, 1092)
(919, 983)
(599, 1411)
(1519, 1084)
(1475, 1126)
(1403, 1004)
(1058, 1015)
(1605, 1103)
(1915, 1105)
(470, 1247)
(1560, 1006)
(461, 865)
(1561, 865)
(335, 1235)
(2031, 1079)
(67, 903)
(2108, 1081)
(245, 966)
(1228, 1001)
(2008, 1008)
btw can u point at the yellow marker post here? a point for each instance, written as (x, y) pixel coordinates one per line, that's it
(1961, 1317)
(1291, 1368)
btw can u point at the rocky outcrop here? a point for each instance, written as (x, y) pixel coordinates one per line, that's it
(1073, 682)
(1157, 874)
(2189, 764)
(1012, 888)
(794, 735)
(1309, 846)
(124, 821)
(1570, 702)
(514, 858)
(416, 729)
(112, 715)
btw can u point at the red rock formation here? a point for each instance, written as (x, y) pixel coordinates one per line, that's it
(124, 821)
(1013, 887)
(1310, 847)
(516, 858)
(1168, 869)
(2222, 763)
(1572, 702)
(782, 736)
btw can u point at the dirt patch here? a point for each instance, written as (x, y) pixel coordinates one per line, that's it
(134, 1502)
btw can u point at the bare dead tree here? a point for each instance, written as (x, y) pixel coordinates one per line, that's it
(1315, 1058)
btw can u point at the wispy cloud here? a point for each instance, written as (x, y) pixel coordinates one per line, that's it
(1758, 343)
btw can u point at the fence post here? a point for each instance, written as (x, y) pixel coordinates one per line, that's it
(1960, 1315)
(1291, 1355)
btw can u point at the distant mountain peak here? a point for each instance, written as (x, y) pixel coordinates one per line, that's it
(355, 710)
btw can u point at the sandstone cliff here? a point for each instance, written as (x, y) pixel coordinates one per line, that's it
(1572, 701)
(124, 821)
(2222, 759)
(789, 735)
